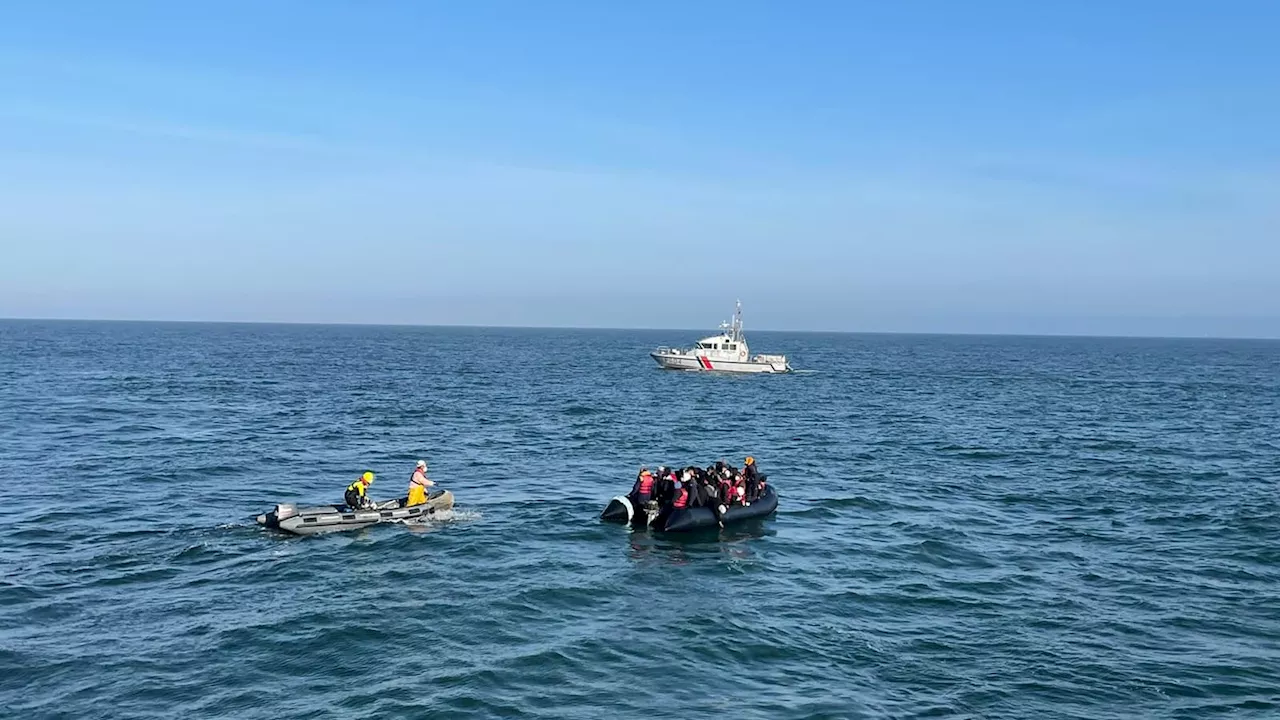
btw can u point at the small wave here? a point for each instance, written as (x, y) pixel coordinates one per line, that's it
(941, 553)
(858, 501)
(973, 453)
(812, 513)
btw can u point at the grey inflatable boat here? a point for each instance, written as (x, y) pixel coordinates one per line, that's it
(333, 518)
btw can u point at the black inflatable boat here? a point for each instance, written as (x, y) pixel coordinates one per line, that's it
(621, 509)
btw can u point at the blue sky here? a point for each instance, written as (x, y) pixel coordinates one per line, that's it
(1080, 167)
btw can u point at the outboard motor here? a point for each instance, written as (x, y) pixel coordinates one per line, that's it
(273, 518)
(651, 511)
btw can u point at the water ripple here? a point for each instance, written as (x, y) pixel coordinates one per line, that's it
(970, 527)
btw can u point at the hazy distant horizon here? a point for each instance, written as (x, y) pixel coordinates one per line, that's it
(688, 334)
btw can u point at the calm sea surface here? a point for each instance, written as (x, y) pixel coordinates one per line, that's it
(980, 527)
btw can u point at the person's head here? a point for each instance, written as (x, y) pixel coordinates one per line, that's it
(422, 465)
(751, 460)
(367, 478)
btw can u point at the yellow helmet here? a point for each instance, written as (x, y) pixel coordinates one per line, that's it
(367, 476)
(750, 460)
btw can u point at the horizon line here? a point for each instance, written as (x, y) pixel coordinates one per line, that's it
(958, 333)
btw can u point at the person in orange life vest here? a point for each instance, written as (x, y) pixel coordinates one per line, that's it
(724, 489)
(418, 484)
(739, 494)
(675, 487)
(642, 491)
(680, 498)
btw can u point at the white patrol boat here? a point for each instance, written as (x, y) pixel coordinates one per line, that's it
(726, 352)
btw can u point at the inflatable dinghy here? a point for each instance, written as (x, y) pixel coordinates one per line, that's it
(621, 509)
(332, 518)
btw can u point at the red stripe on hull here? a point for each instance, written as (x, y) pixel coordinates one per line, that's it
(705, 362)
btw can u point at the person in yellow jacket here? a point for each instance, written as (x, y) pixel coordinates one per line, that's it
(357, 495)
(418, 484)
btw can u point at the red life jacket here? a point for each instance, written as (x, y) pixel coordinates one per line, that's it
(646, 484)
(682, 498)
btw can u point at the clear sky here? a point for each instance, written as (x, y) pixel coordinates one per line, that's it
(1084, 167)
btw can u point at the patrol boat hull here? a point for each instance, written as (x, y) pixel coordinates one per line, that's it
(675, 359)
(336, 518)
(621, 509)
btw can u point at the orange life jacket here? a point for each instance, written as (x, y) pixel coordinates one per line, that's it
(682, 498)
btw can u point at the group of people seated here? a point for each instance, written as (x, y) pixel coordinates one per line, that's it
(357, 495)
(719, 487)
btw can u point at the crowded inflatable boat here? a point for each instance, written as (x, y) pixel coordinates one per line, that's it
(691, 498)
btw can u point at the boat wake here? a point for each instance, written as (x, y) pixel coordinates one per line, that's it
(440, 517)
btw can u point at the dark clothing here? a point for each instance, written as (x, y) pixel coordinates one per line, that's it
(753, 482)
(355, 500)
(662, 489)
(697, 494)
